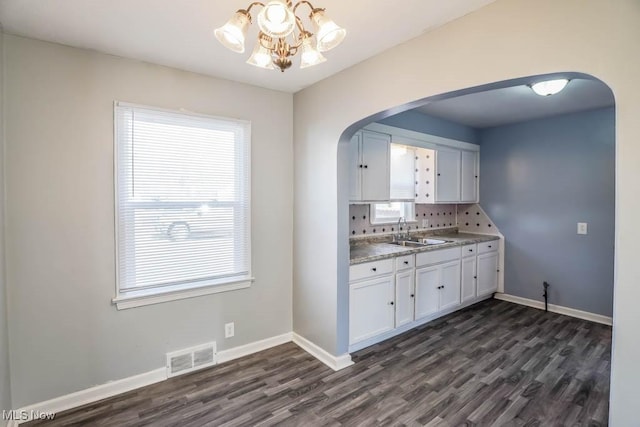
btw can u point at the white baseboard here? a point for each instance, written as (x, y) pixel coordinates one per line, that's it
(94, 394)
(254, 347)
(113, 388)
(585, 315)
(334, 362)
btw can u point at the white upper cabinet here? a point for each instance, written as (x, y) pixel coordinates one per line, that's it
(355, 174)
(369, 166)
(448, 166)
(402, 172)
(469, 177)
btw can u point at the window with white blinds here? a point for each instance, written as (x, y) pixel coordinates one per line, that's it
(182, 203)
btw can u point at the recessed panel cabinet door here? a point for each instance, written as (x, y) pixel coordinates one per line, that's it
(447, 175)
(450, 285)
(355, 163)
(375, 170)
(469, 176)
(405, 296)
(487, 273)
(427, 292)
(468, 280)
(371, 308)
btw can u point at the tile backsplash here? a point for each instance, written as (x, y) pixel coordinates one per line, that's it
(468, 217)
(439, 216)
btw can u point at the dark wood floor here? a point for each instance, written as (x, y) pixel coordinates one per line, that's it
(495, 363)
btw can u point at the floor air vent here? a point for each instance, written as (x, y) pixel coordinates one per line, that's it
(191, 359)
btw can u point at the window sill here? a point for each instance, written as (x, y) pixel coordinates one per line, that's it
(134, 299)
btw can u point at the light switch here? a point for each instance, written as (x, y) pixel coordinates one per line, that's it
(582, 228)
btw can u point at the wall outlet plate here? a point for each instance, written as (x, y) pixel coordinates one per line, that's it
(425, 223)
(582, 228)
(229, 330)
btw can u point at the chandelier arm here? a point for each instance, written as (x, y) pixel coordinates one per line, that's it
(303, 2)
(255, 3)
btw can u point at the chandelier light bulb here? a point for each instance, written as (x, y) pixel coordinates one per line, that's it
(233, 33)
(328, 33)
(550, 87)
(310, 56)
(276, 19)
(261, 56)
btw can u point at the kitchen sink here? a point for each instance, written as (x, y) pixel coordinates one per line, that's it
(420, 242)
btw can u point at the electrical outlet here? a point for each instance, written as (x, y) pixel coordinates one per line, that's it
(229, 330)
(582, 228)
(425, 223)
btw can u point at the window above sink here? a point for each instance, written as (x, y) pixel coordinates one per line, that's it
(389, 213)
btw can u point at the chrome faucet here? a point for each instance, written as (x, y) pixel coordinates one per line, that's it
(400, 236)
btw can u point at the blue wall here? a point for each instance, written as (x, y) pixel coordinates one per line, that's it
(419, 122)
(538, 180)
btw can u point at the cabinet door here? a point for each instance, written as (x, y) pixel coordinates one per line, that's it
(427, 292)
(487, 273)
(425, 175)
(402, 172)
(355, 166)
(375, 171)
(450, 285)
(469, 176)
(405, 296)
(468, 280)
(447, 175)
(371, 308)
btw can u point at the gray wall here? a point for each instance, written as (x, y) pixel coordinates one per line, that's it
(539, 179)
(5, 386)
(65, 335)
(418, 122)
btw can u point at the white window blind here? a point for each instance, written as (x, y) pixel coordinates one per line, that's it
(183, 213)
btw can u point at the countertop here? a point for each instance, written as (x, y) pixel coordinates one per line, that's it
(372, 251)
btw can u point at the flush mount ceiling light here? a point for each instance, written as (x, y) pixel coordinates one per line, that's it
(550, 87)
(278, 39)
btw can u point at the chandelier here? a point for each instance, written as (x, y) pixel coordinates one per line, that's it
(282, 35)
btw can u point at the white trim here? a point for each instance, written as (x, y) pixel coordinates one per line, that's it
(559, 309)
(93, 394)
(158, 295)
(425, 140)
(334, 362)
(254, 347)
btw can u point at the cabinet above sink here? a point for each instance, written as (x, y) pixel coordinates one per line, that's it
(393, 164)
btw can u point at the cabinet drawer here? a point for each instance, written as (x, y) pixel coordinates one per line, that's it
(405, 262)
(437, 256)
(491, 246)
(469, 250)
(370, 269)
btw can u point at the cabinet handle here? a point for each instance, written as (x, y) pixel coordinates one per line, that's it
(438, 174)
(489, 246)
(365, 166)
(476, 176)
(391, 303)
(374, 269)
(412, 296)
(406, 263)
(475, 277)
(470, 250)
(360, 166)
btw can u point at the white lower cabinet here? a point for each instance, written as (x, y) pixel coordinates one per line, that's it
(371, 308)
(408, 290)
(487, 273)
(437, 288)
(405, 297)
(468, 278)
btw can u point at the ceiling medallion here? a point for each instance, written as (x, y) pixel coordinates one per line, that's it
(282, 35)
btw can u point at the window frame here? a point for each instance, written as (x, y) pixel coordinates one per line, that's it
(376, 221)
(125, 299)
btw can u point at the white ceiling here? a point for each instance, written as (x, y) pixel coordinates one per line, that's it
(519, 103)
(179, 33)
